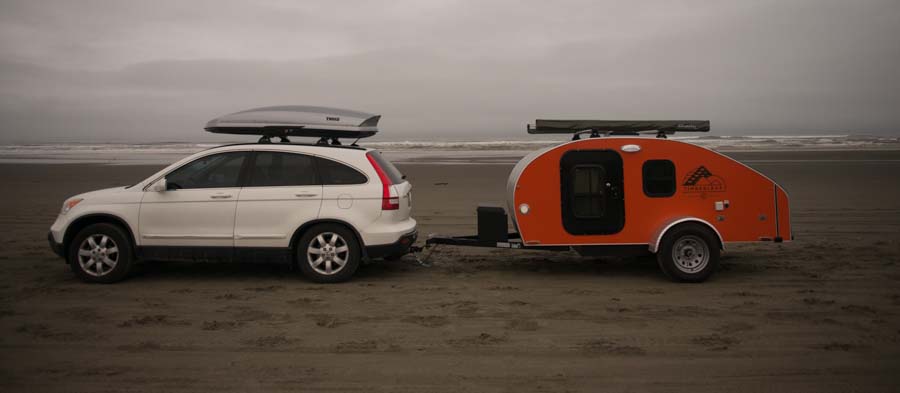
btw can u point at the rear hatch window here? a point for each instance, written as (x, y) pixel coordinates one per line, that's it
(389, 169)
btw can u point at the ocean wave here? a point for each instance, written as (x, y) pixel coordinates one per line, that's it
(164, 152)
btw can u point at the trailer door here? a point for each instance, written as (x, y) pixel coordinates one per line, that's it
(593, 200)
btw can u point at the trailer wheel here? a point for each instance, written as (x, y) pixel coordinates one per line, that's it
(688, 253)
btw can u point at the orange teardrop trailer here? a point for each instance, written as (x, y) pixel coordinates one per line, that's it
(618, 193)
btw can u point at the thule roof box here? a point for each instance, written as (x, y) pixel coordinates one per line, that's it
(300, 121)
(616, 127)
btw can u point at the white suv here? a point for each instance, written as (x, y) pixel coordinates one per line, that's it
(323, 207)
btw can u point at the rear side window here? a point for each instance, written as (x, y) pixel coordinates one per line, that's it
(271, 169)
(659, 178)
(335, 173)
(389, 169)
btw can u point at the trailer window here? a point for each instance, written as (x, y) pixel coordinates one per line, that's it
(587, 191)
(659, 178)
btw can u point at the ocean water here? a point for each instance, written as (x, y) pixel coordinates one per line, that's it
(436, 152)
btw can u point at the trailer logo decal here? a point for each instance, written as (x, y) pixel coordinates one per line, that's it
(702, 180)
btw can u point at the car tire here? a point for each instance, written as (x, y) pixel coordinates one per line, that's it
(328, 253)
(101, 253)
(689, 253)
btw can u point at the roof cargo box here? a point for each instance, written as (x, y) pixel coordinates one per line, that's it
(295, 120)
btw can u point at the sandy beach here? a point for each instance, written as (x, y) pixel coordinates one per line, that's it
(820, 314)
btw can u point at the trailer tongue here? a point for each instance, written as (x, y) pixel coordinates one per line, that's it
(492, 233)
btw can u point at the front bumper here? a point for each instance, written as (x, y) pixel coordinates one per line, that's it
(398, 248)
(57, 248)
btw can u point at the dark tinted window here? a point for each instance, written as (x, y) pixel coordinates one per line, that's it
(389, 169)
(271, 169)
(659, 178)
(589, 198)
(213, 171)
(333, 172)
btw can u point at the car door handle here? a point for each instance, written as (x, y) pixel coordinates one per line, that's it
(220, 196)
(305, 195)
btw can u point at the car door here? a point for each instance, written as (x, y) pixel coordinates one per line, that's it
(282, 193)
(198, 207)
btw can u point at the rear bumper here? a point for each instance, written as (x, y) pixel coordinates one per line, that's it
(57, 248)
(400, 247)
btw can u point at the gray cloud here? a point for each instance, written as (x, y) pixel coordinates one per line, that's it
(153, 71)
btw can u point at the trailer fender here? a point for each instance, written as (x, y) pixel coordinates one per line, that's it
(654, 243)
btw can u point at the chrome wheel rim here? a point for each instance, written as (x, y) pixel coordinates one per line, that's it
(328, 253)
(691, 254)
(98, 255)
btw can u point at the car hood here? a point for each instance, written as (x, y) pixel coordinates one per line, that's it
(96, 194)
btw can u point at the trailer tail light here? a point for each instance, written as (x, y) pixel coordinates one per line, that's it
(388, 201)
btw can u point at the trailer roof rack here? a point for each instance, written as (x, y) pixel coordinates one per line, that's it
(300, 121)
(598, 128)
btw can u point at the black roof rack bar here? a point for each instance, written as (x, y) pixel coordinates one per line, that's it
(617, 127)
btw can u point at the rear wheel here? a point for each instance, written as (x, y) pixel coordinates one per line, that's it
(688, 253)
(101, 253)
(328, 253)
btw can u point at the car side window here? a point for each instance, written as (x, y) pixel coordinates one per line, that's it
(273, 169)
(213, 171)
(335, 173)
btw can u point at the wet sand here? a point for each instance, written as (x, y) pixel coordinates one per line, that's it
(816, 315)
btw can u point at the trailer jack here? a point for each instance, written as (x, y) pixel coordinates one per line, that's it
(417, 252)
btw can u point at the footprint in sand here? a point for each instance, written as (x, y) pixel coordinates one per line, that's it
(277, 341)
(429, 321)
(327, 320)
(365, 346)
(479, 340)
(221, 325)
(152, 320)
(813, 301)
(856, 309)
(270, 288)
(715, 342)
(608, 347)
(734, 327)
(523, 325)
(841, 346)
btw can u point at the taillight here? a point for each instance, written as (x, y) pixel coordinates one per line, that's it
(388, 202)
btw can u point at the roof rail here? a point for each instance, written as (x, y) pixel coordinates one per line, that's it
(616, 127)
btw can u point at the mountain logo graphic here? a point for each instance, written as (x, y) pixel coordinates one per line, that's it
(702, 180)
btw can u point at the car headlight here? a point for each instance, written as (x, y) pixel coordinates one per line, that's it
(69, 204)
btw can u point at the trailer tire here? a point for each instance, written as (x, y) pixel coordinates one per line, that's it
(689, 253)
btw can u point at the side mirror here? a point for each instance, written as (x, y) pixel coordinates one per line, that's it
(159, 186)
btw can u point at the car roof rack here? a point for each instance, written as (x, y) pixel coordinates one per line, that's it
(598, 128)
(327, 124)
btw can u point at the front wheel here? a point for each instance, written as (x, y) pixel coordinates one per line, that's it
(328, 253)
(101, 253)
(688, 253)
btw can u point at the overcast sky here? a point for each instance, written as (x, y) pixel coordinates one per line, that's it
(147, 71)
